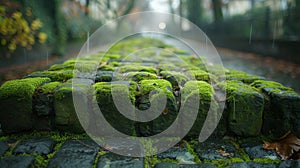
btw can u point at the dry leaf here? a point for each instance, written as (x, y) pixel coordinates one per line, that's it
(103, 63)
(108, 147)
(285, 147)
(165, 112)
(223, 153)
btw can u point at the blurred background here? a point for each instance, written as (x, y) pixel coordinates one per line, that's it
(261, 37)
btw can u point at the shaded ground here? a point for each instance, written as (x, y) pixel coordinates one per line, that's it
(287, 73)
(22, 68)
(53, 149)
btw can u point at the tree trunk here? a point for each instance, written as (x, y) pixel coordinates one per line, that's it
(217, 9)
(87, 4)
(194, 9)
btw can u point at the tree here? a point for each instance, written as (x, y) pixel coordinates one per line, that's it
(217, 9)
(18, 28)
(195, 11)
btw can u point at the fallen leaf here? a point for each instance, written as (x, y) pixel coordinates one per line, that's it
(103, 63)
(165, 112)
(285, 147)
(223, 153)
(108, 147)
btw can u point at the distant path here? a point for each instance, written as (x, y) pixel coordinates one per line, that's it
(285, 72)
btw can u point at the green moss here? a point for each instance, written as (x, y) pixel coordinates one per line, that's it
(167, 67)
(175, 78)
(146, 86)
(147, 53)
(21, 89)
(56, 67)
(193, 60)
(136, 68)
(60, 93)
(203, 88)
(245, 106)
(192, 91)
(114, 64)
(104, 89)
(50, 87)
(201, 75)
(232, 86)
(105, 98)
(241, 76)
(179, 51)
(138, 76)
(190, 147)
(266, 160)
(60, 76)
(109, 56)
(106, 68)
(272, 87)
(65, 114)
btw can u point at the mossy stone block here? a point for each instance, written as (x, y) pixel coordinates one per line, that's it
(245, 105)
(104, 95)
(282, 112)
(201, 75)
(177, 79)
(16, 103)
(152, 91)
(241, 76)
(136, 68)
(66, 116)
(104, 76)
(137, 76)
(43, 106)
(106, 68)
(59, 76)
(203, 93)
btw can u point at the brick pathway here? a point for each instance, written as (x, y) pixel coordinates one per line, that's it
(46, 152)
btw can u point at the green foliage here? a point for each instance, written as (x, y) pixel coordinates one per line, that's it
(19, 29)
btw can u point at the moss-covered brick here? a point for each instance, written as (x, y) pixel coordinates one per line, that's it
(193, 60)
(106, 68)
(137, 76)
(43, 110)
(109, 57)
(136, 68)
(80, 65)
(241, 76)
(43, 98)
(282, 113)
(177, 79)
(104, 76)
(178, 51)
(201, 75)
(65, 115)
(129, 46)
(203, 93)
(60, 76)
(245, 105)
(16, 103)
(167, 67)
(57, 67)
(157, 88)
(114, 64)
(105, 99)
